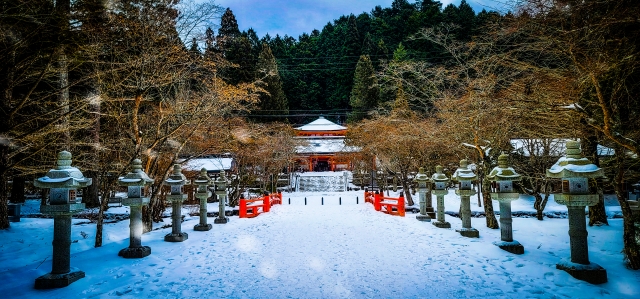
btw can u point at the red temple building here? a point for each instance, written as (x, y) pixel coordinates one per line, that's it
(324, 148)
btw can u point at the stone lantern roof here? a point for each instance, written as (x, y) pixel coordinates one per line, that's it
(136, 177)
(176, 178)
(463, 173)
(503, 172)
(439, 176)
(63, 176)
(421, 176)
(574, 165)
(203, 178)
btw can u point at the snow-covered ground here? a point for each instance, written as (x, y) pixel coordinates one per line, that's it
(320, 251)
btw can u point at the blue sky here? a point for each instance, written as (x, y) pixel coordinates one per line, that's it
(294, 17)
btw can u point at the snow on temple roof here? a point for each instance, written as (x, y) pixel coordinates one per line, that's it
(321, 124)
(210, 164)
(325, 146)
(556, 147)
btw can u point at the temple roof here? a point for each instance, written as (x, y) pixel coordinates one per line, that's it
(325, 146)
(213, 164)
(321, 124)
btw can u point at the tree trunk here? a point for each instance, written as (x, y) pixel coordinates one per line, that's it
(63, 8)
(91, 194)
(541, 202)
(153, 212)
(4, 161)
(597, 213)
(106, 187)
(490, 216)
(17, 190)
(100, 221)
(405, 188)
(539, 206)
(631, 223)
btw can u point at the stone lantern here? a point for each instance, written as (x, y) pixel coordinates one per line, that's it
(502, 178)
(202, 181)
(63, 182)
(464, 178)
(135, 181)
(575, 172)
(422, 180)
(221, 192)
(439, 183)
(176, 180)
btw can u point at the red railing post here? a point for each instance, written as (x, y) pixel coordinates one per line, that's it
(401, 206)
(266, 203)
(243, 208)
(377, 198)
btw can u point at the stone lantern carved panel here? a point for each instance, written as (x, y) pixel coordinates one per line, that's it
(134, 191)
(59, 196)
(176, 189)
(575, 185)
(505, 186)
(465, 185)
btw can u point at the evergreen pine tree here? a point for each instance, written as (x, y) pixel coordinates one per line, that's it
(368, 47)
(365, 94)
(466, 20)
(236, 49)
(228, 30)
(209, 44)
(400, 54)
(272, 99)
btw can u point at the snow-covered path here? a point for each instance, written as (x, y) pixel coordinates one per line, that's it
(331, 251)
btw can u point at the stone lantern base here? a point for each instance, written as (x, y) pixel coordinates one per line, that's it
(53, 281)
(469, 232)
(442, 224)
(425, 218)
(135, 252)
(176, 237)
(202, 228)
(514, 247)
(431, 212)
(221, 220)
(591, 273)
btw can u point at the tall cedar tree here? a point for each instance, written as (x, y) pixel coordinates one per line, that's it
(272, 98)
(235, 48)
(365, 93)
(228, 30)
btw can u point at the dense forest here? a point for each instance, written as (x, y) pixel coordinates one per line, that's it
(317, 68)
(418, 84)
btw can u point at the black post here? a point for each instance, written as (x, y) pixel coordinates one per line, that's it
(340, 200)
(289, 200)
(322, 201)
(357, 200)
(305, 201)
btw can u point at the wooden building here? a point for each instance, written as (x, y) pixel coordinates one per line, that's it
(324, 148)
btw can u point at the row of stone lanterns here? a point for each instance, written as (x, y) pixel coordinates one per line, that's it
(574, 171)
(63, 182)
